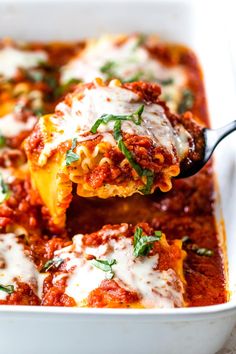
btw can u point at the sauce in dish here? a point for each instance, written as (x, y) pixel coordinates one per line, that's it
(76, 231)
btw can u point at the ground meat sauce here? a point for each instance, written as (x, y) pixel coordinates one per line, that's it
(187, 210)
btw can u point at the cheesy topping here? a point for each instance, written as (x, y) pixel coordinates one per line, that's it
(10, 126)
(16, 266)
(78, 118)
(12, 59)
(124, 58)
(162, 289)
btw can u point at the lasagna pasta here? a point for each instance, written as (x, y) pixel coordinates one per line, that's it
(109, 140)
(109, 268)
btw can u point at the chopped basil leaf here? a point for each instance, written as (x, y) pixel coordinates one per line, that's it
(200, 251)
(204, 252)
(60, 90)
(73, 81)
(140, 40)
(144, 244)
(51, 82)
(138, 115)
(38, 111)
(2, 140)
(7, 288)
(55, 262)
(166, 82)
(105, 266)
(186, 102)
(166, 97)
(136, 77)
(128, 154)
(108, 69)
(150, 179)
(4, 190)
(36, 75)
(70, 155)
(44, 64)
(136, 118)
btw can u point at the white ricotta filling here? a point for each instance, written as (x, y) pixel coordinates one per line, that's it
(12, 59)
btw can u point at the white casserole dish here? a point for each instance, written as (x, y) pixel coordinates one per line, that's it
(203, 330)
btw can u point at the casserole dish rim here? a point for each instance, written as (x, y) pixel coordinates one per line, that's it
(219, 309)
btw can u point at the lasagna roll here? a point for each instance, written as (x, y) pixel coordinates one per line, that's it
(109, 140)
(128, 58)
(118, 266)
(22, 91)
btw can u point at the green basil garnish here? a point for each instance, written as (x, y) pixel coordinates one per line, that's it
(61, 90)
(38, 111)
(186, 102)
(166, 82)
(105, 266)
(140, 40)
(202, 251)
(70, 155)
(135, 117)
(4, 190)
(124, 150)
(55, 262)
(7, 288)
(137, 77)
(109, 69)
(144, 244)
(35, 75)
(2, 140)
(150, 179)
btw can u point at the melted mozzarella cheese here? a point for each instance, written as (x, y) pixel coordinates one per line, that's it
(79, 117)
(16, 266)
(182, 138)
(155, 288)
(12, 59)
(129, 61)
(10, 126)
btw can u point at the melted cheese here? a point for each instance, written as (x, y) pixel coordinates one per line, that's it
(16, 266)
(10, 126)
(12, 59)
(155, 288)
(79, 117)
(130, 60)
